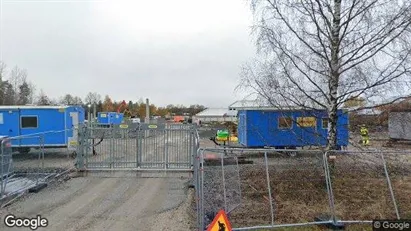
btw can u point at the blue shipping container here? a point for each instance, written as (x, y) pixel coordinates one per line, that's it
(110, 118)
(289, 128)
(54, 123)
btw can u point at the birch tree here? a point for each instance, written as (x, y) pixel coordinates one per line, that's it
(17, 78)
(321, 53)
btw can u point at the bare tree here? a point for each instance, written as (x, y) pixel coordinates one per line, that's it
(67, 100)
(31, 97)
(3, 67)
(2, 77)
(321, 53)
(43, 99)
(53, 101)
(92, 97)
(17, 78)
(77, 100)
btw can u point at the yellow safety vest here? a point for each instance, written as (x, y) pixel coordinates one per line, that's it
(364, 131)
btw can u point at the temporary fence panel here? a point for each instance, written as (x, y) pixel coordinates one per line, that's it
(20, 172)
(370, 185)
(267, 188)
(6, 162)
(399, 173)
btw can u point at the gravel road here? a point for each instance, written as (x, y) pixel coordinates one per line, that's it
(119, 202)
(116, 200)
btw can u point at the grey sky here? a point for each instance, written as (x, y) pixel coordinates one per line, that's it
(174, 52)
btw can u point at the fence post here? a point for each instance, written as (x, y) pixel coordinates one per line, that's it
(329, 187)
(269, 188)
(239, 179)
(40, 159)
(127, 137)
(166, 149)
(224, 190)
(112, 144)
(140, 135)
(202, 225)
(137, 144)
(42, 140)
(390, 186)
(81, 145)
(2, 169)
(190, 147)
(196, 166)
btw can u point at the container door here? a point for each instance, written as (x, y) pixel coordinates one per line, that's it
(10, 123)
(72, 141)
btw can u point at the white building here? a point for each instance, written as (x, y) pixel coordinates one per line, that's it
(215, 115)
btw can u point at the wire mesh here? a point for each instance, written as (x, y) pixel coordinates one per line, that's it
(276, 189)
(399, 169)
(360, 186)
(32, 160)
(145, 147)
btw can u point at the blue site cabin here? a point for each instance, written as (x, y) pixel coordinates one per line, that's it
(288, 128)
(54, 123)
(109, 118)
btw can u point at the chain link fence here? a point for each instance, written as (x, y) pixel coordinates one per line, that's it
(267, 188)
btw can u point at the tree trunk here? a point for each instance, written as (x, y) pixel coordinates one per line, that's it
(334, 77)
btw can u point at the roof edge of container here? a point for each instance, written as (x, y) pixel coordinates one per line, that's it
(11, 107)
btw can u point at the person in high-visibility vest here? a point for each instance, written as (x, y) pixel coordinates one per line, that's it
(364, 135)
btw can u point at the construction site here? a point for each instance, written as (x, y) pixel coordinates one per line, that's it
(205, 115)
(194, 170)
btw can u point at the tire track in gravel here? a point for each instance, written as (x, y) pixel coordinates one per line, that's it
(89, 204)
(65, 206)
(42, 209)
(135, 212)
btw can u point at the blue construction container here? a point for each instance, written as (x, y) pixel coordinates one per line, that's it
(53, 123)
(289, 128)
(109, 118)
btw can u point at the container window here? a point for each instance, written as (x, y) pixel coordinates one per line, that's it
(306, 121)
(29, 122)
(325, 123)
(285, 122)
(1, 118)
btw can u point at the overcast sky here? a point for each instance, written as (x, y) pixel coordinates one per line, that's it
(171, 51)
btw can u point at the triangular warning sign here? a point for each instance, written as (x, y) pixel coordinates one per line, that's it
(220, 223)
